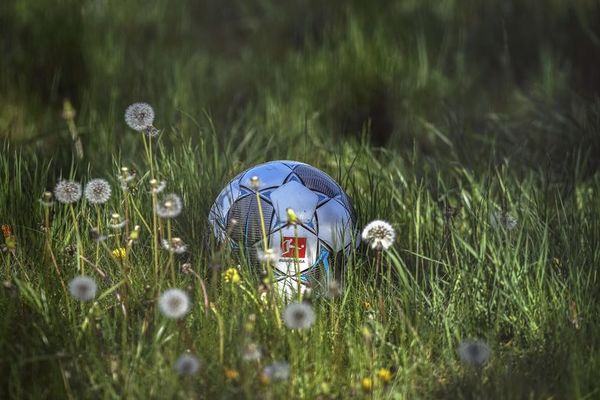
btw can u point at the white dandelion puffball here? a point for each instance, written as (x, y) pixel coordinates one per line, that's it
(139, 116)
(83, 288)
(175, 245)
(251, 352)
(269, 256)
(474, 352)
(174, 303)
(379, 234)
(299, 316)
(67, 192)
(503, 219)
(97, 191)
(277, 371)
(169, 206)
(187, 364)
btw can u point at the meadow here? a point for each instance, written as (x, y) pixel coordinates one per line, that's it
(472, 128)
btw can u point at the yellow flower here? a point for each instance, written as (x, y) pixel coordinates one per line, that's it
(366, 384)
(385, 375)
(263, 379)
(119, 253)
(231, 374)
(231, 275)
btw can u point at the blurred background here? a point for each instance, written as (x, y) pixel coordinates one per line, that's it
(464, 80)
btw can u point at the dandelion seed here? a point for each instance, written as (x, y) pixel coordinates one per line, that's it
(174, 303)
(299, 316)
(83, 288)
(269, 256)
(474, 352)
(175, 245)
(67, 192)
(151, 131)
(97, 191)
(334, 289)
(379, 234)
(139, 116)
(46, 200)
(277, 371)
(116, 222)
(251, 352)
(187, 364)
(156, 186)
(503, 219)
(170, 206)
(231, 275)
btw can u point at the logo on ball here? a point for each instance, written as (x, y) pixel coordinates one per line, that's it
(291, 245)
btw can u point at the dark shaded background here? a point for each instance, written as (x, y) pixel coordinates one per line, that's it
(497, 78)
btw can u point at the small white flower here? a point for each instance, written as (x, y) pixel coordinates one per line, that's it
(379, 234)
(503, 219)
(187, 364)
(176, 245)
(169, 206)
(174, 303)
(97, 191)
(139, 116)
(269, 256)
(474, 352)
(277, 371)
(299, 316)
(83, 288)
(251, 352)
(67, 192)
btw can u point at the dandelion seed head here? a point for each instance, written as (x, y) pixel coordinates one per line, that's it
(96, 235)
(379, 234)
(187, 364)
(116, 222)
(277, 371)
(97, 191)
(151, 131)
(175, 245)
(474, 352)
(83, 288)
(251, 352)
(174, 303)
(67, 192)
(269, 256)
(139, 116)
(156, 186)
(299, 316)
(503, 219)
(169, 206)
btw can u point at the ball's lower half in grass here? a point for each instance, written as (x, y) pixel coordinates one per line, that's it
(310, 245)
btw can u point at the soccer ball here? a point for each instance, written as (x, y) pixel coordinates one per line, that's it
(314, 249)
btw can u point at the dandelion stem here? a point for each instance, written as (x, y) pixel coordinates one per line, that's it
(77, 238)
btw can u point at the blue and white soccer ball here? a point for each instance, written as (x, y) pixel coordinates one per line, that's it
(322, 239)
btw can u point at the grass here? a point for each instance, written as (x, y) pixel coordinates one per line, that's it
(424, 116)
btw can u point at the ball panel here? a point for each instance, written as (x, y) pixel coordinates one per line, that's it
(296, 196)
(271, 174)
(334, 225)
(315, 179)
